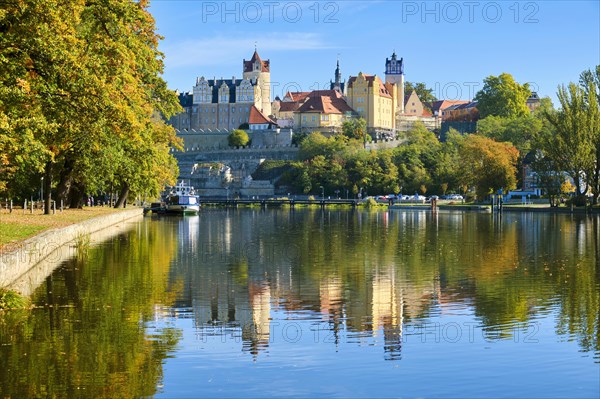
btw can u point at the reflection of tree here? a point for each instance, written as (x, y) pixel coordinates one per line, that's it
(372, 272)
(88, 338)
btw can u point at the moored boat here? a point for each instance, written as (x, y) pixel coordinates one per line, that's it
(182, 199)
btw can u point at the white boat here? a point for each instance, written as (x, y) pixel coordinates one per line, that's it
(182, 199)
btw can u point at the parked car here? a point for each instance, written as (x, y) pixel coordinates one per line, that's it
(457, 197)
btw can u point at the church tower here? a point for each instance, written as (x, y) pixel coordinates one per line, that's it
(337, 85)
(394, 73)
(259, 73)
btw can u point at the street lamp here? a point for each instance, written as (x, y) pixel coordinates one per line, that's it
(337, 194)
(322, 192)
(42, 189)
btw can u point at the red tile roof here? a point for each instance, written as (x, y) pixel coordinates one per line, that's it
(325, 102)
(258, 118)
(297, 95)
(265, 65)
(288, 106)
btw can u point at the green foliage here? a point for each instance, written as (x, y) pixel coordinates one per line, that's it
(238, 138)
(298, 138)
(356, 129)
(518, 130)
(572, 146)
(12, 300)
(502, 96)
(370, 203)
(82, 100)
(317, 144)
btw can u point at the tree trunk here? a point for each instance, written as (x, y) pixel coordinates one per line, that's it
(64, 182)
(48, 189)
(122, 196)
(76, 194)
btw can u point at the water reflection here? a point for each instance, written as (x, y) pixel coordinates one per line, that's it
(366, 276)
(327, 290)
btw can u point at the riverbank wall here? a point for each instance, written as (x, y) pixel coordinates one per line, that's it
(487, 208)
(24, 268)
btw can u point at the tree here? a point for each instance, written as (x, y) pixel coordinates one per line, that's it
(238, 138)
(355, 129)
(488, 165)
(518, 130)
(87, 75)
(502, 96)
(425, 95)
(590, 83)
(572, 147)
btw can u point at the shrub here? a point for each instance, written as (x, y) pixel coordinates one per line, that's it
(238, 138)
(12, 300)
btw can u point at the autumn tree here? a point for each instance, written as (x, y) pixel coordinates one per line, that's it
(488, 165)
(82, 97)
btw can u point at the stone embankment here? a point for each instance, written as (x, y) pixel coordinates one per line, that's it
(24, 268)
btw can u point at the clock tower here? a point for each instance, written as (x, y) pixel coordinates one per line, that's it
(394, 73)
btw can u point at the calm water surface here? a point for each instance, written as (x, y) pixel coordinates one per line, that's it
(308, 303)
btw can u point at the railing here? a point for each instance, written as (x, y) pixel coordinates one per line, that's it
(277, 202)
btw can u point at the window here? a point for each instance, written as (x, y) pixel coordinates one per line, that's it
(233, 110)
(304, 118)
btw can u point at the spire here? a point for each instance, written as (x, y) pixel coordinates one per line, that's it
(338, 73)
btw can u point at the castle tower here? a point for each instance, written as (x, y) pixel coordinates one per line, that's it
(259, 72)
(394, 73)
(337, 84)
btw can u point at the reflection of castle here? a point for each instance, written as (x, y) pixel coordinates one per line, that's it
(256, 334)
(387, 313)
(242, 282)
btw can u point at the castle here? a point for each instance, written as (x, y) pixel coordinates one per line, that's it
(227, 103)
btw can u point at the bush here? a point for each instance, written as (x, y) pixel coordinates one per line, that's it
(370, 203)
(12, 300)
(579, 200)
(238, 138)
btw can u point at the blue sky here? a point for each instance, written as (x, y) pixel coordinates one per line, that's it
(451, 46)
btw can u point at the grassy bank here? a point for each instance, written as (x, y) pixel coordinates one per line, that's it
(18, 225)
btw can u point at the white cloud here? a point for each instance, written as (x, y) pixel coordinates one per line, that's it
(221, 50)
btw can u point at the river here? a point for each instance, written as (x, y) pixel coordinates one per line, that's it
(279, 302)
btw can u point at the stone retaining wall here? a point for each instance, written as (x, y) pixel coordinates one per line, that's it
(24, 268)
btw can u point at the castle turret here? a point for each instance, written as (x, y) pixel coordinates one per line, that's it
(394, 73)
(259, 73)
